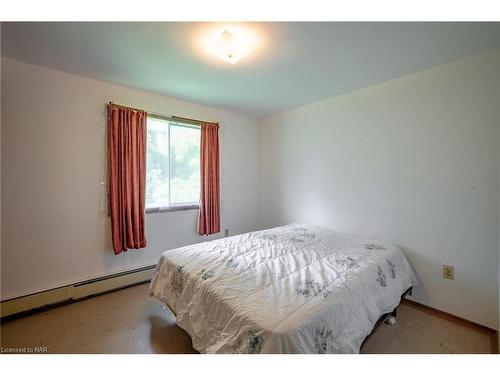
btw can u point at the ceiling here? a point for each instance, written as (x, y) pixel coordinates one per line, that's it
(294, 63)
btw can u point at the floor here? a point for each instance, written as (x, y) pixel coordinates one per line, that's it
(129, 321)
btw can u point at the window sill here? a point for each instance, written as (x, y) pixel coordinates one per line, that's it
(172, 208)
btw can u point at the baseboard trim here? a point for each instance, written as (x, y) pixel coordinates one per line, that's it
(458, 320)
(21, 306)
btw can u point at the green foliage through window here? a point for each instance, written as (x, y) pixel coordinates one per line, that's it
(173, 163)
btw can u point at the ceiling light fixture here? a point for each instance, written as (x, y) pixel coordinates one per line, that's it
(230, 47)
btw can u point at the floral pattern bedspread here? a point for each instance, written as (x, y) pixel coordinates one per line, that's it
(292, 289)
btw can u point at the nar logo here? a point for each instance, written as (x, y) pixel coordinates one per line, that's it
(24, 349)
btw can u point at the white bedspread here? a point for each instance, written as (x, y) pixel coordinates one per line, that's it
(292, 289)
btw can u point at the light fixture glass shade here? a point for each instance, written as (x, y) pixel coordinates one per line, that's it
(230, 48)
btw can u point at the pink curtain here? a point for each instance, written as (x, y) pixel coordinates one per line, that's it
(127, 177)
(209, 216)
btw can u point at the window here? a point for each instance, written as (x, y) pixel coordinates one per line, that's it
(173, 164)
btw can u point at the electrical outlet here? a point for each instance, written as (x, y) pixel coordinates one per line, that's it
(448, 272)
(226, 232)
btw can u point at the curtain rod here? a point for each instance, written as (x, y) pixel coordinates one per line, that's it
(162, 115)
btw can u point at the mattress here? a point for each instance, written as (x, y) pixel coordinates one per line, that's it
(291, 289)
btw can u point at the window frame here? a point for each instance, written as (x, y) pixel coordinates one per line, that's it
(181, 206)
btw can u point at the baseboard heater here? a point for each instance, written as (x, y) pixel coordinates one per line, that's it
(74, 292)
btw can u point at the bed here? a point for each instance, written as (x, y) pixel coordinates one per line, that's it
(291, 289)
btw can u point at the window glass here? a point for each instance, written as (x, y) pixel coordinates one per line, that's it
(184, 164)
(173, 163)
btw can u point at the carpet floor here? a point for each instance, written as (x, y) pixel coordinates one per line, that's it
(129, 321)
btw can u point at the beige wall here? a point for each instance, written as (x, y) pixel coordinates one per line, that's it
(55, 227)
(414, 161)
